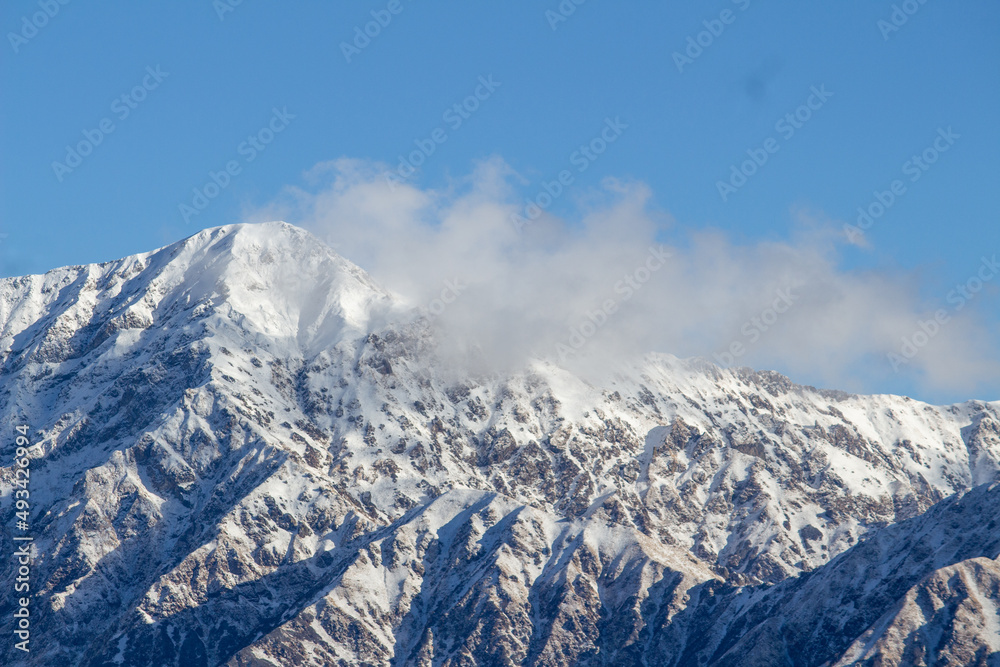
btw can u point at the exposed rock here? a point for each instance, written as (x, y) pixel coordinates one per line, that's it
(232, 468)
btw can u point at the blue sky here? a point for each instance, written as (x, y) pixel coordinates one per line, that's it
(199, 81)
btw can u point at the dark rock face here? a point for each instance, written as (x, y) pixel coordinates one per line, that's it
(228, 472)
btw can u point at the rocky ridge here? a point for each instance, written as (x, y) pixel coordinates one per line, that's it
(244, 456)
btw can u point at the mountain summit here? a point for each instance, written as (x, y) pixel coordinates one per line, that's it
(240, 457)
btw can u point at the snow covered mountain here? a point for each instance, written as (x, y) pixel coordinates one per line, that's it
(245, 456)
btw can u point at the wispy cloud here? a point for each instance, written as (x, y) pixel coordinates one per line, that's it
(525, 292)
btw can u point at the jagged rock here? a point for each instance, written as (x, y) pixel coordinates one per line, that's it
(232, 466)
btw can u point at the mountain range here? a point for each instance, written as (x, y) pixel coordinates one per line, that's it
(247, 452)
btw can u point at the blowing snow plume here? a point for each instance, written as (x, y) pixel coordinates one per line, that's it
(622, 278)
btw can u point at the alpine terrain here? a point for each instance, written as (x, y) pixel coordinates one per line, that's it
(239, 457)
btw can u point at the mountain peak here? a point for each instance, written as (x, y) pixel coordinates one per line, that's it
(270, 279)
(276, 233)
(280, 281)
(234, 462)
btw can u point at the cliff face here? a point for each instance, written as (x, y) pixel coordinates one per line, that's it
(235, 463)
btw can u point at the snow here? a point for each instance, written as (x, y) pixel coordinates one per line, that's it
(238, 336)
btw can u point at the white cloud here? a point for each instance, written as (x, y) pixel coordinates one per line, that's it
(523, 293)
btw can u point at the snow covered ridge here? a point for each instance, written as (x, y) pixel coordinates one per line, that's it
(239, 459)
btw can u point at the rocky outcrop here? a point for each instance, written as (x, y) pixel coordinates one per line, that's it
(235, 467)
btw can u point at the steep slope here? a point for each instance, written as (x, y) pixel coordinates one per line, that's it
(245, 453)
(918, 566)
(949, 619)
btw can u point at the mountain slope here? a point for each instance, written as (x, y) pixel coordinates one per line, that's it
(950, 618)
(247, 454)
(814, 618)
